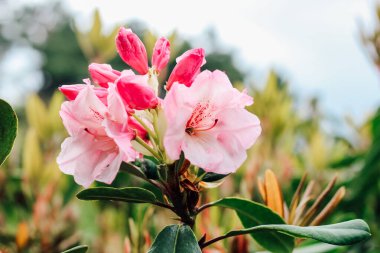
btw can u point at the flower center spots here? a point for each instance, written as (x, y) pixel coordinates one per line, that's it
(96, 115)
(203, 118)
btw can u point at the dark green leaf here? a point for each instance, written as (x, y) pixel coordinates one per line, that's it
(77, 249)
(175, 239)
(128, 194)
(8, 129)
(253, 214)
(149, 168)
(210, 176)
(344, 233)
(132, 169)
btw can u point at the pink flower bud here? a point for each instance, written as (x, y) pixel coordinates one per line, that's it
(136, 93)
(188, 66)
(161, 54)
(102, 74)
(72, 91)
(132, 50)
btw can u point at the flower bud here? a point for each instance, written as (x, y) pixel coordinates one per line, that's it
(136, 93)
(188, 66)
(102, 74)
(132, 50)
(72, 91)
(161, 54)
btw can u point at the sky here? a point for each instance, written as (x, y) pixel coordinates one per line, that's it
(315, 45)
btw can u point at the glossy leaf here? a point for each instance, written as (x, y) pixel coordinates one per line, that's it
(210, 177)
(8, 129)
(149, 168)
(132, 169)
(77, 249)
(128, 194)
(253, 214)
(175, 239)
(344, 233)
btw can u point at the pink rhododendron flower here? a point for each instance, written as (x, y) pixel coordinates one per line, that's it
(208, 122)
(102, 74)
(99, 137)
(136, 92)
(187, 68)
(132, 50)
(161, 54)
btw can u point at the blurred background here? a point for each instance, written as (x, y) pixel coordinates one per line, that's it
(312, 68)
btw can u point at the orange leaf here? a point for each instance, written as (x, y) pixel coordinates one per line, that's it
(273, 192)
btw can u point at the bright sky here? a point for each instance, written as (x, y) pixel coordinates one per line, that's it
(314, 44)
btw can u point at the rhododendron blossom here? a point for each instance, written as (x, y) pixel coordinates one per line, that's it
(208, 122)
(90, 153)
(202, 115)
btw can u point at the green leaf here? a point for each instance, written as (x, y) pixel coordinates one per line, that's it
(344, 233)
(175, 239)
(8, 129)
(252, 214)
(210, 177)
(128, 194)
(213, 177)
(77, 249)
(149, 168)
(132, 169)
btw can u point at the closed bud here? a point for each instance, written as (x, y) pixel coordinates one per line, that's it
(161, 54)
(136, 93)
(132, 50)
(102, 74)
(72, 91)
(188, 67)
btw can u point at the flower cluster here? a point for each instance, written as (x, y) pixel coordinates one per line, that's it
(121, 118)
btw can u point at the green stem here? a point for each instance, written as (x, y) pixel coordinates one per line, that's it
(159, 141)
(147, 147)
(234, 233)
(205, 206)
(147, 128)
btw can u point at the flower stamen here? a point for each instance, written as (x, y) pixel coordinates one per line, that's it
(202, 119)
